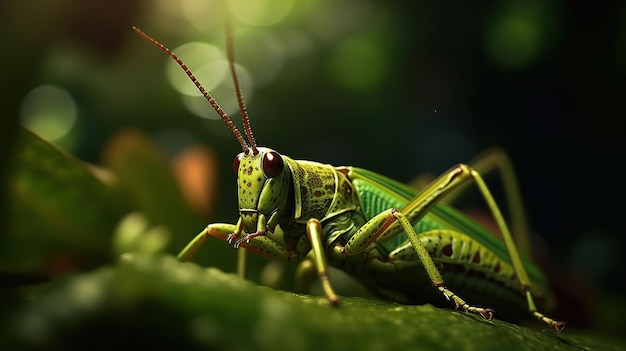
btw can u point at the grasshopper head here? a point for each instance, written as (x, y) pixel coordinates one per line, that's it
(262, 179)
(262, 175)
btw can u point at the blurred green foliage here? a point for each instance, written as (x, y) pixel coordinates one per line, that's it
(58, 212)
(161, 303)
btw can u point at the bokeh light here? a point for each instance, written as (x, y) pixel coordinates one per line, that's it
(299, 51)
(261, 52)
(359, 64)
(517, 36)
(333, 20)
(260, 12)
(49, 111)
(223, 94)
(207, 16)
(207, 62)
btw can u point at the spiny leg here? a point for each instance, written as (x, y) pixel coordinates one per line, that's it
(382, 227)
(520, 270)
(220, 231)
(217, 230)
(420, 205)
(314, 234)
(494, 159)
(263, 246)
(428, 263)
(452, 179)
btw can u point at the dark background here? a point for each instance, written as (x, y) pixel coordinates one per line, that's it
(544, 80)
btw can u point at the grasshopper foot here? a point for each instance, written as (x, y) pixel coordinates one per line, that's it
(487, 313)
(334, 301)
(246, 238)
(559, 326)
(459, 303)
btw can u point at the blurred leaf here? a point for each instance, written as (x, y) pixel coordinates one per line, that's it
(146, 177)
(163, 303)
(60, 215)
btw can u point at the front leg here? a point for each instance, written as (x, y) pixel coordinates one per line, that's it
(260, 245)
(221, 231)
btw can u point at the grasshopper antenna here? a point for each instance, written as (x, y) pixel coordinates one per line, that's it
(242, 106)
(206, 94)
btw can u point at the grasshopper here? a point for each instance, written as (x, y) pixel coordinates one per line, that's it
(394, 240)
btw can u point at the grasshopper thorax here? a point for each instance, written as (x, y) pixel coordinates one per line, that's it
(262, 180)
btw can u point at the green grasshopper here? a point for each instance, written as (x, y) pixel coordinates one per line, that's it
(391, 238)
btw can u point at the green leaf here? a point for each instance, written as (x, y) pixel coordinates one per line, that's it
(60, 215)
(146, 178)
(162, 303)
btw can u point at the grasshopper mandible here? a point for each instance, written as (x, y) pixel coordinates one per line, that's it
(391, 238)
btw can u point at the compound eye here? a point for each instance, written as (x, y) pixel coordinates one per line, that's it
(272, 164)
(236, 162)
